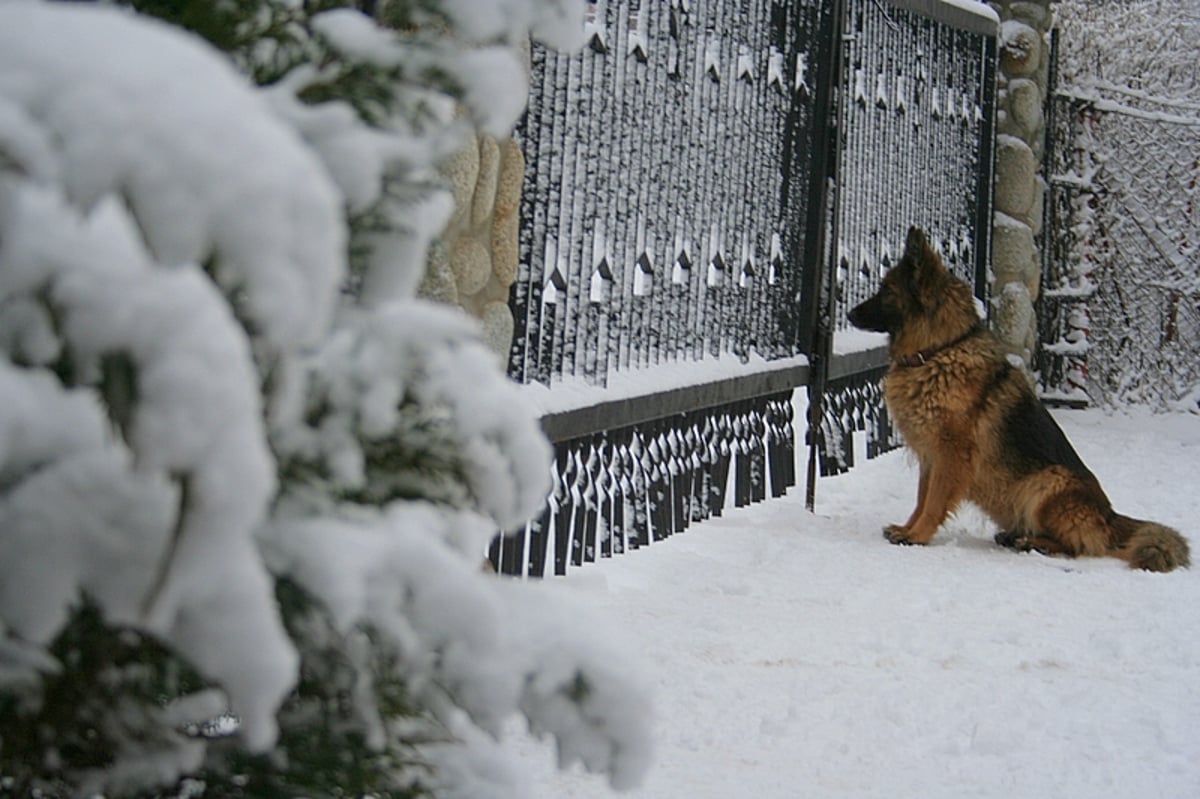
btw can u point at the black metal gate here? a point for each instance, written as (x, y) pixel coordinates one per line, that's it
(710, 185)
(916, 99)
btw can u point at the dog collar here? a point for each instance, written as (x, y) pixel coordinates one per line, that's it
(921, 357)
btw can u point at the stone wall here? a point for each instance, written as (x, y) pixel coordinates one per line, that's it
(1023, 79)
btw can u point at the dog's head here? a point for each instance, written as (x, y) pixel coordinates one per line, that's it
(918, 299)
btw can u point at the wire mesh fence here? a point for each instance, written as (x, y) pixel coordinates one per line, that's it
(1121, 307)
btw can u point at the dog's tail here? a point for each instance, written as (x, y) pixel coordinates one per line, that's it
(1149, 545)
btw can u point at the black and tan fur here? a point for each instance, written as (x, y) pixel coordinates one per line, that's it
(981, 434)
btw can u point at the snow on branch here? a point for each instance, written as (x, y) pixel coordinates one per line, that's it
(261, 216)
(1112, 106)
(394, 574)
(179, 459)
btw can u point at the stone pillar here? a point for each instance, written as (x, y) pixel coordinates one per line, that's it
(474, 261)
(1023, 80)
(473, 264)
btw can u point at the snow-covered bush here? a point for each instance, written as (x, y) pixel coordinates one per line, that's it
(246, 479)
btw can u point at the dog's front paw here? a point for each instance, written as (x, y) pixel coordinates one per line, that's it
(898, 534)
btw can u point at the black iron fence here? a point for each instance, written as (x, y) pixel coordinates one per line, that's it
(715, 182)
(1120, 306)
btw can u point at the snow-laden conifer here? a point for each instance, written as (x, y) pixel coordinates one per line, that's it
(246, 479)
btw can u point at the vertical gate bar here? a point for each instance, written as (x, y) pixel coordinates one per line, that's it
(700, 219)
(521, 295)
(641, 505)
(539, 532)
(552, 334)
(723, 452)
(620, 499)
(731, 152)
(758, 452)
(591, 174)
(821, 216)
(545, 218)
(1047, 323)
(762, 182)
(562, 508)
(513, 552)
(578, 236)
(987, 171)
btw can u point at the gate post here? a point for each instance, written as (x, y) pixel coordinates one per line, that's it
(820, 229)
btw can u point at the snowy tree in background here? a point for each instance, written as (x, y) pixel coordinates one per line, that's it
(246, 480)
(1147, 45)
(1131, 82)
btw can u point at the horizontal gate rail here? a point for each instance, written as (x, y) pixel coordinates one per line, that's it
(626, 412)
(628, 487)
(595, 417)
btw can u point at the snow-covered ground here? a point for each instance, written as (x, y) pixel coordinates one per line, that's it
(796, 655)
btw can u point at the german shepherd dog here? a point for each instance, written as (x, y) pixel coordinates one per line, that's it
(981, 434)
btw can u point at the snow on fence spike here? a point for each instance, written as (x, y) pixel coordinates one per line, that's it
(775, 70)
(712, 59)
(745, 65)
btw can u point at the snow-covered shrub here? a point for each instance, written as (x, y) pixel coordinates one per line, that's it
(246, 479)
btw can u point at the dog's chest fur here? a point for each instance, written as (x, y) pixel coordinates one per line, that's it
(940, 400)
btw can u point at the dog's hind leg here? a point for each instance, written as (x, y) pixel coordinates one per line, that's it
(1056, 512)
(1075, 521)
(1070, 523)
(1023, 541)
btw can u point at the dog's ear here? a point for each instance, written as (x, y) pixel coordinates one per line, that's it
(926, 262)
(927, 272)
(916, 241)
